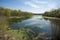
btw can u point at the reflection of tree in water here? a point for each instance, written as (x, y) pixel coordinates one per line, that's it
(15, 20)
(55, 24)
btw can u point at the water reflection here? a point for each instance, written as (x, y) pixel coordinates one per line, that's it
(55, 24)
(49, 26)
(36, 16)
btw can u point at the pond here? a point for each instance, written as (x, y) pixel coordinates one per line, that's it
(50, 27)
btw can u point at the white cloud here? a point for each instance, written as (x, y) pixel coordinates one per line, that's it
(31, 4)
(40, 6)
(40, 2)
(52, 5)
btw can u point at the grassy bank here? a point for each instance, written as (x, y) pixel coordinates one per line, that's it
(46, 17)
(5, 32)
(8, 17)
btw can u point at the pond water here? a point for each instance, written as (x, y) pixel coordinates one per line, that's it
(50, 27)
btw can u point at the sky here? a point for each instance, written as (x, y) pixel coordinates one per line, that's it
(35, 6)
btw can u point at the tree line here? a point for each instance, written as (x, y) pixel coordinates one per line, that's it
(9, 12)
(53, 13)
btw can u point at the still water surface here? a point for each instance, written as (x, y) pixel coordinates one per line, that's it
(49, 26)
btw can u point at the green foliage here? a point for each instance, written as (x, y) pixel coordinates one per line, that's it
(53, 13)
(27, 34)
(9, 12)
(14, 15)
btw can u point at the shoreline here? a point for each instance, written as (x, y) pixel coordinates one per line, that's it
(51, 17)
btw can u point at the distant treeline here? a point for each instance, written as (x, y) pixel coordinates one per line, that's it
(53, 13)
(9, 12)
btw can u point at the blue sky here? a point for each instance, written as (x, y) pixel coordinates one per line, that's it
(35, 6)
